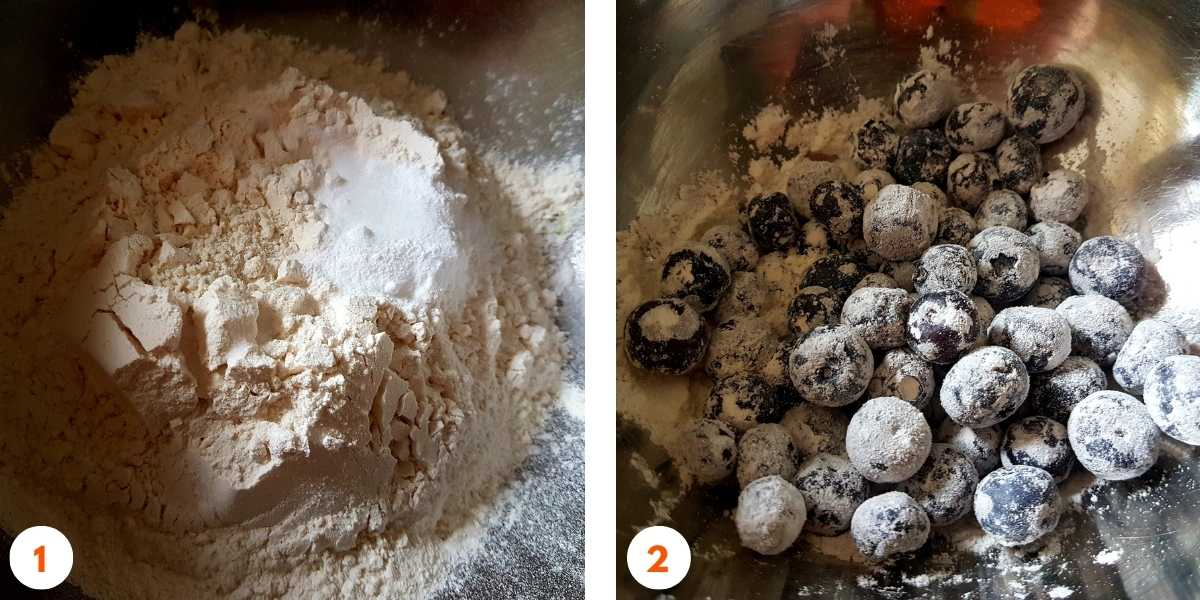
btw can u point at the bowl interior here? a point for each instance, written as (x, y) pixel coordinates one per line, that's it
(690, 75)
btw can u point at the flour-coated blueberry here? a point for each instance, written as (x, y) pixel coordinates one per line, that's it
(1108, 266)
(666, 335)
(984, 387)
(1017, 505)
(1113, 435)
(922, 155)
(889, 524)
(1172, 392)
(1019, 163)
(1045, 102)
(695, 273)
(942, 325)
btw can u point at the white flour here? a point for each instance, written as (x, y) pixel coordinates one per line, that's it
(396, 230)
(271, 328)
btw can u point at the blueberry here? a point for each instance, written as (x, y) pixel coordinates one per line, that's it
(804, 177)
(1151, 341)
(734, 245)
(766, 450)
(838, 206)
(1048, 292)
(1061, 197)
(922, 155)
(836, 272)
(942, 326)
(832, 490)
(888, 439)
(747, 295)
(1055, 393)
(770, 515)
(877, 280)
(944, 486)
(771, 221)
(832, 366)
(1099, 326)
(889, 524)
(945, 267)
(1056, 244)
(905, 375)
(970, 178)
(1007, 263)
(1002, 208)
(980, 445)
(738, 345)
(1038, 442)
(955, 226)
(1108, 266)
(1019, 163)
(874, 144)
(879, 315)
(985, 387)
(743, 401)
(1113, 435)
(1173, 397)
(665, 335)
(1040, 336)
(697, 274)
(1045, 102)
(707, 450)
(1017, 505)
(900, 224)
(816, 429)
(923, 98)
(812, 307)
(975, 126)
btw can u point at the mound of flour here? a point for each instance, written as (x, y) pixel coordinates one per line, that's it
(269, 328)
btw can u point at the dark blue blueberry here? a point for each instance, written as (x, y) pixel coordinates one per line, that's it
(666, 335)
(1017, 505)
(771, 221)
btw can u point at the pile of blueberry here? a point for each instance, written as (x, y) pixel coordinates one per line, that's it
(952, 353)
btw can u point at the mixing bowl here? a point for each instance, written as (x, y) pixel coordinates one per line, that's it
(690, 75)
(513, 72)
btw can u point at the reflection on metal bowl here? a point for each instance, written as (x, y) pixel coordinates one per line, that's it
(691, 73)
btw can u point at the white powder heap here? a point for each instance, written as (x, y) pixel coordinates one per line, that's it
(1060, 591)
(767, 128)
(258, 339)
(397, 229)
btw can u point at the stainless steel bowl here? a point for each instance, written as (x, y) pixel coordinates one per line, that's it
(529, 53)
(690, 74)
